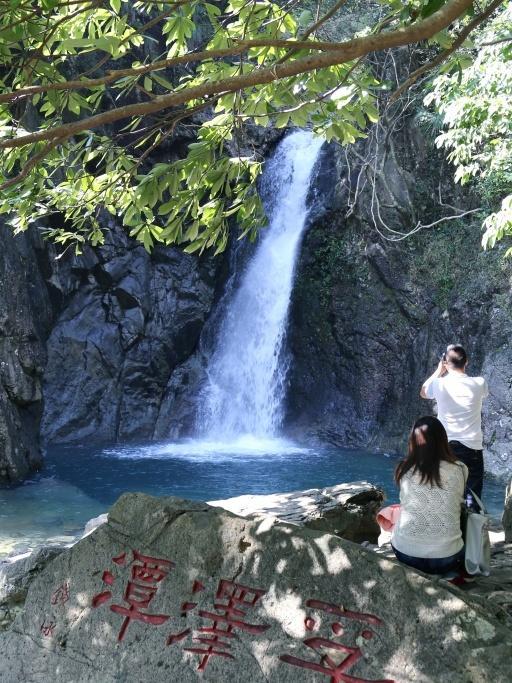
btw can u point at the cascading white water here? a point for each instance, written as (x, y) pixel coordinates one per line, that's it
(246, 373)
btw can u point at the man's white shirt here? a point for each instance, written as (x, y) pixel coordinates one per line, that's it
(459, 406)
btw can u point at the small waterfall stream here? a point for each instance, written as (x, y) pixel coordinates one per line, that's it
(246, 373)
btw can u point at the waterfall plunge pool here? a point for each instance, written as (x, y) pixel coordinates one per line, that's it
(81, 482)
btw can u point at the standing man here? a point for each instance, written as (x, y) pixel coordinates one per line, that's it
(459, 407)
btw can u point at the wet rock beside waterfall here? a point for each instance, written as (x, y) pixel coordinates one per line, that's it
(346, 510)
(128, 319)
(25, 316)
(178, 590)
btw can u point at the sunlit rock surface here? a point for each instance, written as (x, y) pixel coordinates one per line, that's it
(16, 577)
(172, 590)
(346, 510)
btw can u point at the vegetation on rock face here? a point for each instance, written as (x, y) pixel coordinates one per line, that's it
(476, 105)
(79, 136)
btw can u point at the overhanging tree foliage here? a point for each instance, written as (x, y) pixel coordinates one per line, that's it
(476, 105)
(90, 90)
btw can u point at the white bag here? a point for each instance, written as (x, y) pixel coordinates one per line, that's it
(477, 549)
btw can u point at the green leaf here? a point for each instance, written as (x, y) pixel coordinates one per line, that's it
(162, 81)
(431, 7)
(305, 18)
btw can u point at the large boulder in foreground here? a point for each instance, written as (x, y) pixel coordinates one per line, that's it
(346, 510)
(172, 590)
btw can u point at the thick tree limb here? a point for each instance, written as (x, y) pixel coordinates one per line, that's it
(117, 74)
(295, 45)
(443, 56)
(346, 52)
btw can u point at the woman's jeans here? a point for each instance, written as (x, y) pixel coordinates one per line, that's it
(434, 565)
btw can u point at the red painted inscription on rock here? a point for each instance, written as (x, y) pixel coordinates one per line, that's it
(61, 595)
(232, 601)
(146, 574)
(335, 658)
(47, 628)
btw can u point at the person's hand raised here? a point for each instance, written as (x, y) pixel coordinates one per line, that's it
(441, 368)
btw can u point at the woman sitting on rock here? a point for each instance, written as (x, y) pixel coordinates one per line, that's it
(427, 535)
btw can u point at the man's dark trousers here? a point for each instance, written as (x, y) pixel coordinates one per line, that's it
(474, 461)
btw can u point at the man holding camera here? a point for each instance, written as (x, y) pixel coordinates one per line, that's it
(459, 408)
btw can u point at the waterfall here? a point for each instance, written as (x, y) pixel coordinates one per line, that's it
(246, 373)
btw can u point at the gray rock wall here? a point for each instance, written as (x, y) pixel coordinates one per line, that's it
(25, 317)
(128, 320)
(98, 335)
(371, 316)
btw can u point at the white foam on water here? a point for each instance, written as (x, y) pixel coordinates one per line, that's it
(245, 446)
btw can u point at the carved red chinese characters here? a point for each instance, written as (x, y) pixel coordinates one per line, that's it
(216, 640)
(61, 595)
(146, 573)
(330, 651)
(47, 628)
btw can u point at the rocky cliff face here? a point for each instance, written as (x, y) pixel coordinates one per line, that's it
(99, 334)
(371, 316)
(112, 336)
(127, 320)
(25, 317)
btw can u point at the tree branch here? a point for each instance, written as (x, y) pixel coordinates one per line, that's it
(443, 56)
(117, 74)
(294, 45)
(346, 52)
(30, 164)
(337, 5)
(496, 42)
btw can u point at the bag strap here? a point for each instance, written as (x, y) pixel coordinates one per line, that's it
(479, 502)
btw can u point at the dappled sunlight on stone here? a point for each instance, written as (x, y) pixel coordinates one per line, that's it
(83, 599)
(387, 565)
(431, 590)
(266, 524)
(370, 584)
(75, 613)
(172, 590)
(287, 609)
(456, 633)
(347, 510)
(256, 565)
(444, 607)
(281, 566)
(335, 559)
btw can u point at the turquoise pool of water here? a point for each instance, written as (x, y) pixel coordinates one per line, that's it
(80, 482)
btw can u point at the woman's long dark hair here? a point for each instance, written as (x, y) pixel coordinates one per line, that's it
(428, 445)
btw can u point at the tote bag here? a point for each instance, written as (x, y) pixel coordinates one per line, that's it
(477, 549)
